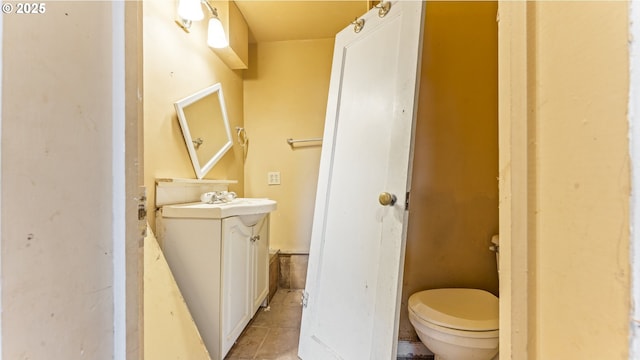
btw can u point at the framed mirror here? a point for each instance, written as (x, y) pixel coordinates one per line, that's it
(205, 127)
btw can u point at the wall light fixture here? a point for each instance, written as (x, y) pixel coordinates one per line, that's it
(191, 10)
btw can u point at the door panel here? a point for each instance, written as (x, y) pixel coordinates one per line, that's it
(357, 244)
(236, 283)
(260, 263)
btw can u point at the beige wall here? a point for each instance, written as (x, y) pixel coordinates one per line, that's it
(285, 96)
(58, 182)
(176, 65)
(454, 200)
(581, 179)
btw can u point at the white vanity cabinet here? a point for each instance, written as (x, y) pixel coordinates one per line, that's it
(222, 269)
(245, 275)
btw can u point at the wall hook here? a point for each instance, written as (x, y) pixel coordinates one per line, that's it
(197, 142)
(241, 134)
(358, 24)
(384, 7)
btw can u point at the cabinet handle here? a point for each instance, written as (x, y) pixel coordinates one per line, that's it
(255, 238)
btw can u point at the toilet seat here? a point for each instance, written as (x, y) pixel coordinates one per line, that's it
(470, 310)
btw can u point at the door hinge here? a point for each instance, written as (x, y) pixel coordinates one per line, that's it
(142, 208)
(142, 211)
(304, 299)
(406, 200)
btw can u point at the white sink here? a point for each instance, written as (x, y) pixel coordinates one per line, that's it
(250, 210)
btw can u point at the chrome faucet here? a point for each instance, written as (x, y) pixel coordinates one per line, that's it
(216, 197)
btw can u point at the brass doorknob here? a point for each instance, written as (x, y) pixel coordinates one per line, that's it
(387, 199)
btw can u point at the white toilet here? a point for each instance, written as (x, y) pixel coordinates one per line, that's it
(457, 324)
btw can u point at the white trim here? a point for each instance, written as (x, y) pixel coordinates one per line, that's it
(118, 177)
(516, 299)
(634, 148)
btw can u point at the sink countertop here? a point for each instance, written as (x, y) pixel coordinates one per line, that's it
(237, 207)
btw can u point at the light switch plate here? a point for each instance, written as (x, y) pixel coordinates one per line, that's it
(273, 178)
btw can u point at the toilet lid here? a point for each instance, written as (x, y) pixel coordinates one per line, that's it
(462, 309)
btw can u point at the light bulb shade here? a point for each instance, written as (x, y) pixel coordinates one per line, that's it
(216, 37)
(190, 10)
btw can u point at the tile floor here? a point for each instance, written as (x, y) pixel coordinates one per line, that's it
(273, 333)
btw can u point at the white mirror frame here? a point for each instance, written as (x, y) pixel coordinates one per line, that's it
(202, 170)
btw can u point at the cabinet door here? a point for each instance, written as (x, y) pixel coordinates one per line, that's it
(260, 249)
(236, 280)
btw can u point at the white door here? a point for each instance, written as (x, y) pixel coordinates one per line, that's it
(357, 244)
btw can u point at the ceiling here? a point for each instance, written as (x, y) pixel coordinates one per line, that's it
(298, 20)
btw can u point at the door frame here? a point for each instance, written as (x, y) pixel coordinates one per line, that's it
(516, 40)
(128, 185)
(516, 182)
(133, 193)
(1, 72)
(634, 150)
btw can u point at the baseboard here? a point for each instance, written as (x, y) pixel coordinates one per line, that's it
(413, 350)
